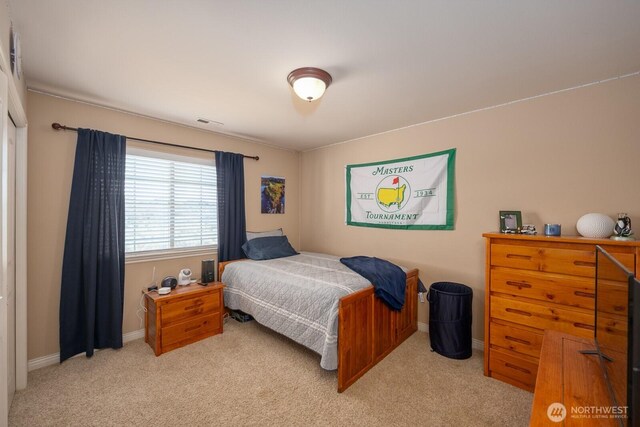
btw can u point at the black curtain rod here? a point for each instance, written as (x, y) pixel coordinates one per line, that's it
(58, 126)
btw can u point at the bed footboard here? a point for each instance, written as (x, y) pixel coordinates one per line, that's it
(368, 330)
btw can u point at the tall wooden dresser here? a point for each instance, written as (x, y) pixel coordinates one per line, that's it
(538, 283)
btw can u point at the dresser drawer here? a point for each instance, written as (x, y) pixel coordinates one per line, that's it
(175, 311)
(566, 261)
(575, 262)
(512, 366)
(543, 316)
(524, 257)
(516, 339)
(185, 331)
(612, 331)
(610, 271)
(613, 297)
(557, 288)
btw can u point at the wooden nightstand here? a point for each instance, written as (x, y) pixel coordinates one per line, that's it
(188, 314)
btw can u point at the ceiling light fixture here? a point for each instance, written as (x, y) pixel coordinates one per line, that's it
(309, 83)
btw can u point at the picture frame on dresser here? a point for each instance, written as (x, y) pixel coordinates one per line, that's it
(510, 222)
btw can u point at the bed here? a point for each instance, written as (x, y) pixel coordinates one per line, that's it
(320, 303)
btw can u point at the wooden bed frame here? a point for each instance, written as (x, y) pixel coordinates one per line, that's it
(368, 330)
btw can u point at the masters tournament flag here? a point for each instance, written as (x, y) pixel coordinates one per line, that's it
(415, 193)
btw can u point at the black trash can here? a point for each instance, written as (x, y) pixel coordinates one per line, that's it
(450, 319)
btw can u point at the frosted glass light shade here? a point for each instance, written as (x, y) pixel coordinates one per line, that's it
(309, 83)
(309, 88)
(595, 225)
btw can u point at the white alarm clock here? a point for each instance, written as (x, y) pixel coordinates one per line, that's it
(184, 278)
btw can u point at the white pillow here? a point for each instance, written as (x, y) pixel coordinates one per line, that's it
(271, 233)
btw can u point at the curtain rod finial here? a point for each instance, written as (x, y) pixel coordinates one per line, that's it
(57, 126)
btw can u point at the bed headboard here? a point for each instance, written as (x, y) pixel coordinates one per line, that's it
(223, 264)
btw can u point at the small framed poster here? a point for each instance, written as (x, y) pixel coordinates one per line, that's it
(272, 195)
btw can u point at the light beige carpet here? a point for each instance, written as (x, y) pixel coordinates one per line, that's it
(252, 376)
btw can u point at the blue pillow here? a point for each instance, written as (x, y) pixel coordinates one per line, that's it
(262, 248)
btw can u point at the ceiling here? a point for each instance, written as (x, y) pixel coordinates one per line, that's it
(394, 63)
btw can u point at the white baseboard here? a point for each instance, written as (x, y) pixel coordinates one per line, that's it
(131, 336)
(476, 344)
(53, 359)
(41, 362)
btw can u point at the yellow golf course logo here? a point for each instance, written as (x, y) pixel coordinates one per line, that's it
(392, 192)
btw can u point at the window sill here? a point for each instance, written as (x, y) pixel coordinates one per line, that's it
(211, 252)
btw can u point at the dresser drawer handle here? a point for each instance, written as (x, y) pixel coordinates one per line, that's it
(517, 368)
(515, 311)
(193, 328)
(584, 263)
(584, 326)
(521, 341)
(518, 256)
(197, 303)
(584, 294)
(518, 285)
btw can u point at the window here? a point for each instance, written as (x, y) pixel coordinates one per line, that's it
(170, 203)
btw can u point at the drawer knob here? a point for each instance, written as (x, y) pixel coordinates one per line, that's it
(193, 328)
(584, 294)
(584, 263)
(521, 341)
(583, 326)
(517, 368)
(519, 285)
(518, 256)
(520, 312)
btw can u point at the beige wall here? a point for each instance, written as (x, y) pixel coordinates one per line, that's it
(554, 158)
(51, 156)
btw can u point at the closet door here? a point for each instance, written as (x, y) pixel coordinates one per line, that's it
(11, 261)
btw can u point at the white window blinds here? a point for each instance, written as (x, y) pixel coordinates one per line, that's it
(169, 204)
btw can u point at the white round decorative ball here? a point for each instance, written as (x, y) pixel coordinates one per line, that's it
(595, 225)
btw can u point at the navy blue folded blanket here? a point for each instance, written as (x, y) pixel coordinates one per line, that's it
(388, 280)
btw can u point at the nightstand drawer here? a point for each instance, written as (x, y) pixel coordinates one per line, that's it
(206, 325)
(543, 316)
(511, 366)
(516, 339)
(190, 307)
(557, 288)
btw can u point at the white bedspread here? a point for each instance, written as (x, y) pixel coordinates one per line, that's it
(296, 296)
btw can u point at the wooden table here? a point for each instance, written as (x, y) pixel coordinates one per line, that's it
(187, 314)
(573, 379)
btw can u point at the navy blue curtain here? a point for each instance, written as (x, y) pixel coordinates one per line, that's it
(232, 226)
(91, 298)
